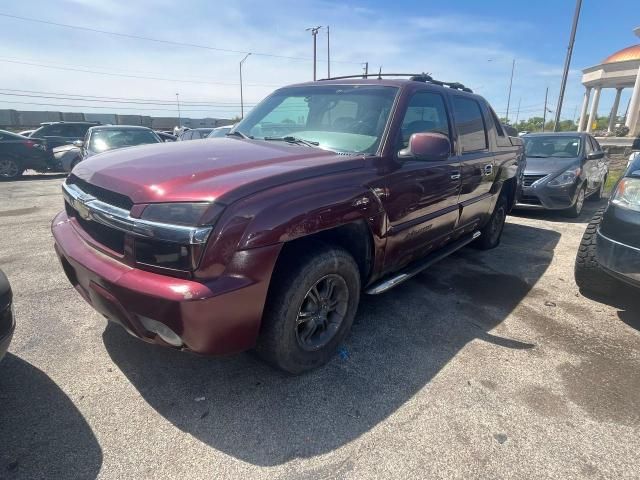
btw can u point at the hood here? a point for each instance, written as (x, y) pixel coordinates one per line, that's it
(545, 166)
(205, 170)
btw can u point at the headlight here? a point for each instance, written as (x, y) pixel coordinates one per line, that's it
(627, 194)
(178, 213)
(566, 178)
(178, 255)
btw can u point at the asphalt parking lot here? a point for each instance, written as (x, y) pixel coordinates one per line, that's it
(489, 365)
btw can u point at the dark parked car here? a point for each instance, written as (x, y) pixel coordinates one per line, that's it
(195, 134)
(266, 242)
(7, 320)
(60, 133)
(166, 137)
(610, 247)
(18, 153)
(562, 170)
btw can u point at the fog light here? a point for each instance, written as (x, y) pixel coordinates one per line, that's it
(164, 332)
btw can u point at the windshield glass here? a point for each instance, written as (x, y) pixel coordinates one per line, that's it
(343, 118)
(552, 146)
(103, 140)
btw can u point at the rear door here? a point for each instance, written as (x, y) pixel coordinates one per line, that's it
(475, 158)
(421, 197)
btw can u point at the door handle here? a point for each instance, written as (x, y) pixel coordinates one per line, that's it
(455, 175)
(488, 169)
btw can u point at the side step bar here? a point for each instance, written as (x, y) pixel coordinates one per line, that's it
(419, 265)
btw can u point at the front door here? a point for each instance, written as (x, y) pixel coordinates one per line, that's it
(476, 161)
(420, 197)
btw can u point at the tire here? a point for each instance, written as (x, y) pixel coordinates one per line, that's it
(291, 313)
(588, 273)
(491, 233)
(576, 209)
(10, 169)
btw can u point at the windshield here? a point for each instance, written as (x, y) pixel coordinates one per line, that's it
(552, 146)
(343, 118)
(103, 140)
(219, 132)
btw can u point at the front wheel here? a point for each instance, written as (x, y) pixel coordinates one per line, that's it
(588, 273)
(10, 169)
(312, 302)
(575, 210)
(491, 233)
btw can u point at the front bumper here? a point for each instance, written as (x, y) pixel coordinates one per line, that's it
(216, 317)
(540, 196)
(618, 259)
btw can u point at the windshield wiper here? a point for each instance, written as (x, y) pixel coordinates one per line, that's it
(237, 133)
(537, 156)
(291, 139)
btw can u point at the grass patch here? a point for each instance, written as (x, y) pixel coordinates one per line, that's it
(612, 179)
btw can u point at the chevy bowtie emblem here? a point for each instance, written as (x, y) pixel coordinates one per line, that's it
(83, 210)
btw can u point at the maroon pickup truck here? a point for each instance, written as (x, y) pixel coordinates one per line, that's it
(265, 239)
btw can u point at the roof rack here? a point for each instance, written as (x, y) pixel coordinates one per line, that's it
(416, 77)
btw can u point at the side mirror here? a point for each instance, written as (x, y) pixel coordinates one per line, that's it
(595, 155)
(77, 143)
(427, 146)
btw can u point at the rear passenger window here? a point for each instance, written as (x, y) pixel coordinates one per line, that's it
(426, 113)
(470, 124)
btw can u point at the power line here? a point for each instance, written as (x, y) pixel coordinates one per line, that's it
(124, 74)
(156, 40)
(97, 100)
(121, 108)
(116, 98)
(107, 69)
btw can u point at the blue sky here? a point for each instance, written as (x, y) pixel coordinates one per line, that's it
(468, 41)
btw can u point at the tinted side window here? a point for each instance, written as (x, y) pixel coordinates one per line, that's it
(496, 122)
(186, 135)
(470, 124)
(426, 113)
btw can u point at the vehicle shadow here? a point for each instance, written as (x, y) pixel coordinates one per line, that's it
(42, 433)
(589, 209)
(625, 299)
(399, 342)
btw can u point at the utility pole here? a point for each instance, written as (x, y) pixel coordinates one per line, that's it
(328, 54)
(518, 113)
(544, 114)
(567, 63)
(513, 66)
(178, 102)
(314, 32)
(365, 68)
(241, 98)
(575, 112)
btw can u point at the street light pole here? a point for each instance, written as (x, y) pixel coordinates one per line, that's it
(314, 33)
(513, 66)
(567, 63)
(544, 114)
(178, 102)
(241, 98)
(328, 54)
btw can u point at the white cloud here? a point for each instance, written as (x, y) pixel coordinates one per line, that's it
(453, 47)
